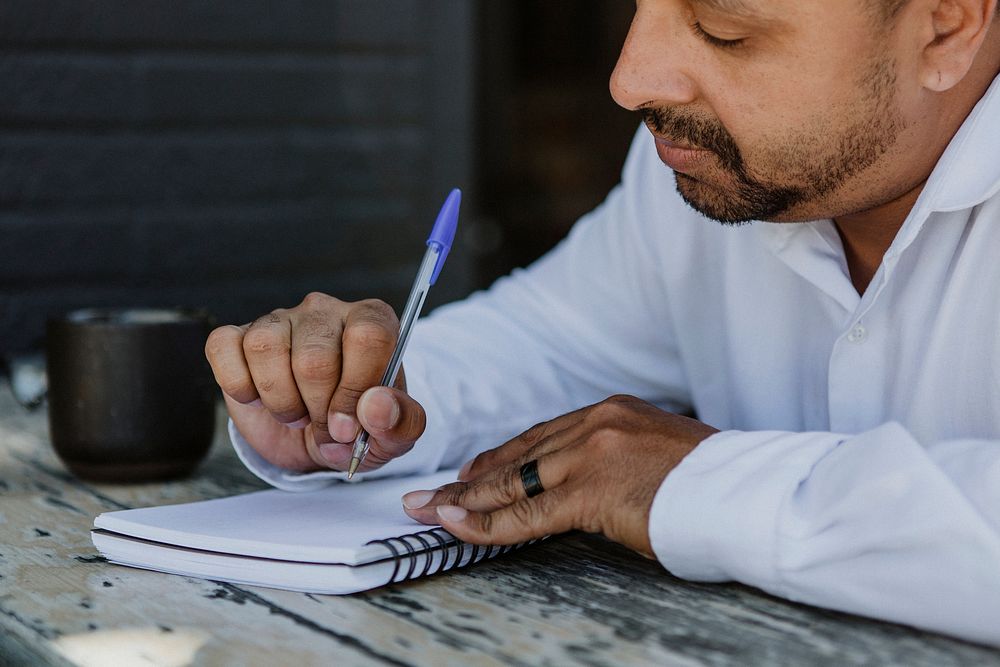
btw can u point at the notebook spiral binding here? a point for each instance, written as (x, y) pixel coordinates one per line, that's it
(443, 542)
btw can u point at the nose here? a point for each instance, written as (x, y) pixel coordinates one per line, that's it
(653, 68)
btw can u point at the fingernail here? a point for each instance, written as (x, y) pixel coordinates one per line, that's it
(463, 474)
(256, 403)
(335, 454)
(415, 499)
(343, 428)
(299, 423)
(380, 408)
(451, 513)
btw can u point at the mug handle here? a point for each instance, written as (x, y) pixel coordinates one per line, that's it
(28, 381)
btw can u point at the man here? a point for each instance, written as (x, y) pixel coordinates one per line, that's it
(844, 361)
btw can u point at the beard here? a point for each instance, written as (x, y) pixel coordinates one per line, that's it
(797, 170)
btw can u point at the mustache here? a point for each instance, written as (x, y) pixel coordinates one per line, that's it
(700, 132)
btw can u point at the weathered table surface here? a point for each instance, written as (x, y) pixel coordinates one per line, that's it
(575, 599)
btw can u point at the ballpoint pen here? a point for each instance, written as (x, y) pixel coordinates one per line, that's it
(438, 245)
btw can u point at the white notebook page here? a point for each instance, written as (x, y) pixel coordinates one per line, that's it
(332, 525)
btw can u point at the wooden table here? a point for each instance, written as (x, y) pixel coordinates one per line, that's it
(575, 599)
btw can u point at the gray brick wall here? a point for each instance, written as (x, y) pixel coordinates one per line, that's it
(225, 154)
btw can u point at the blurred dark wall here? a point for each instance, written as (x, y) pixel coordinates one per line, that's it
(225, 154)
(236, 155)
(552, 142)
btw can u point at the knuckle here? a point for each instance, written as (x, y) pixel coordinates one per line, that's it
(482, 461)
(316, 300)
(286, 409)
(348, 394)
(221, 340)
(507, 494)
(487, 524)
(241, 390)
(522, 513)
(606, 440)
(316, 363)
(290, 416)
(264, 342)
(368, 334)
(379, 310)
(611, 410)
(274, 317)
(606, 409)
(531, 437)
(319, 326)
(451, 494)
(284, 406)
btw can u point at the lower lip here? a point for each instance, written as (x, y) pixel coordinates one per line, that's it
(680, 159)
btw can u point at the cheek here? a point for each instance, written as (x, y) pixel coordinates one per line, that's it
(777, 134)
(756, 110)
(786, 91)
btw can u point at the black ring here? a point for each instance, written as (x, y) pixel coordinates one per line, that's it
(530, 480)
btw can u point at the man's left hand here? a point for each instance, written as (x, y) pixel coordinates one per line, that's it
(600, 467)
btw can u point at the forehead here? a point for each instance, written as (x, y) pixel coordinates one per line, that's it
(784, 12)
(741, 7)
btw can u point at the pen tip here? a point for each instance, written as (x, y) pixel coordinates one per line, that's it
(355, 462)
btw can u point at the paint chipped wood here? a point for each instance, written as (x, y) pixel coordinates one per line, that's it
(575, 599)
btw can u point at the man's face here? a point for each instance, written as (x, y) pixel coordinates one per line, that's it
(768, 110)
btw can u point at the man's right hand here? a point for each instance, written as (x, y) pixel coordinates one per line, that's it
(297, 383)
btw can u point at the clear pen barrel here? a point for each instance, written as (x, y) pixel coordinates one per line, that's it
(418, 294)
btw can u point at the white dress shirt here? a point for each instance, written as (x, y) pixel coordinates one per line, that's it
(858, 467)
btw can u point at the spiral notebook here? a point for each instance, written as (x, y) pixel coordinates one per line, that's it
(342, 539)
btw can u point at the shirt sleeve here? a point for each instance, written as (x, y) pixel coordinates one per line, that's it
(876, 524)
(535, 345)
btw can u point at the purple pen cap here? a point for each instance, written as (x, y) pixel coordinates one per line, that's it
(444, 230)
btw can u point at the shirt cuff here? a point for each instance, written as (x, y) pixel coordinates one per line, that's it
(715, 516)
(424, 458)
(280, 478)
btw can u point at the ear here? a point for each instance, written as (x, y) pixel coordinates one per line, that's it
(959, 28)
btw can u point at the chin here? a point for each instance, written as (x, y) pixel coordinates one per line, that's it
(736, 205)
(711, 201)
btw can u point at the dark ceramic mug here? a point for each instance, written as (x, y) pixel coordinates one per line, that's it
(131, 396)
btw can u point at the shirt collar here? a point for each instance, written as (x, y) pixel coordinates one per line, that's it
(966, 175)
(968, 172)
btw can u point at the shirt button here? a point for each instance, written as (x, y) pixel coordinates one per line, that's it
(858, 334)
